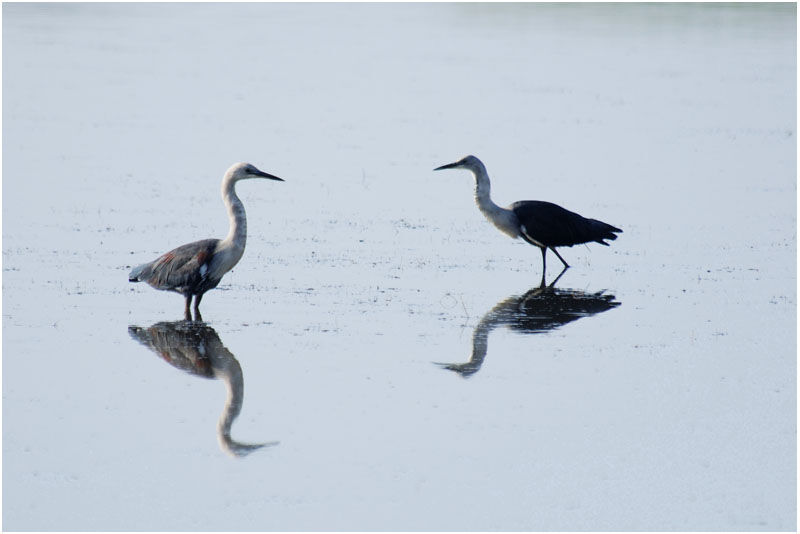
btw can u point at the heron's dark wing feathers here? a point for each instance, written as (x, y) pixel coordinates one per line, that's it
(182, 268)
(554, 226)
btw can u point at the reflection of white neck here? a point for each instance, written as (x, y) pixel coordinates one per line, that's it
(480, 342)
(226, 368)
(502, 314)
(504, 219)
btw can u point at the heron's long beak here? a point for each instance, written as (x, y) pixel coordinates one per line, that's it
(448, 166)
(265, 175)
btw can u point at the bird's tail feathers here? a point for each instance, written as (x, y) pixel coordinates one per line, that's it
(603, 231)
(140, 273)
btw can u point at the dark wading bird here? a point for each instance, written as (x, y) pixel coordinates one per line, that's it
(193, 269)
(543, 224)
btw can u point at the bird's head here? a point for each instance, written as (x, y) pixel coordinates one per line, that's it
(470, 163)
(245, 171)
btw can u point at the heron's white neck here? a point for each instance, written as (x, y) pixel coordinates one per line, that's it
(504, 219)
(237, 235)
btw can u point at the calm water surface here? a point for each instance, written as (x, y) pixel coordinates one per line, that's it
(382, 358)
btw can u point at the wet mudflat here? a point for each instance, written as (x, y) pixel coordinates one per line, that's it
(382, 358)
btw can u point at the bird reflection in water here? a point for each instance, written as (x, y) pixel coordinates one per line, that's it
(195, 347)
(539, 310)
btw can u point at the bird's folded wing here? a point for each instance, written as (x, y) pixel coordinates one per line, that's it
(184, 266)
(550, 224)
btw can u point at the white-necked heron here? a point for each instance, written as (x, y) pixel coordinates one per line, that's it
(543, 224)
(193, 269)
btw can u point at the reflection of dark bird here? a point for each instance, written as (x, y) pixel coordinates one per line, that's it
(543, 224)
(193, 269)
(539, 310)
(196, 348)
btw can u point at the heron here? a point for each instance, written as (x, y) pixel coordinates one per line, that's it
(543, 224)
(197, 267)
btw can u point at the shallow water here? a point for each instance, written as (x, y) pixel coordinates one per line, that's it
(389, 350)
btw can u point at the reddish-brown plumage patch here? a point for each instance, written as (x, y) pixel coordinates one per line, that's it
(202, 256)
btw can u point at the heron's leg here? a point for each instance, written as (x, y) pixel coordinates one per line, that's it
(186, 313)
(197, 316)
(559, 276)
(544, 262)
(559, 257)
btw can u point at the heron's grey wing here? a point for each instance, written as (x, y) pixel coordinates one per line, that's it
(184, 267)
(552, 225)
